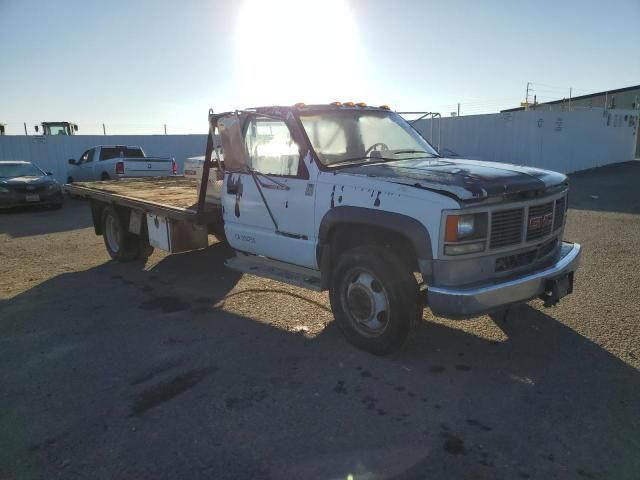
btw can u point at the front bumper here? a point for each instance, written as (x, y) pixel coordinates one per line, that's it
(14, 200)
(460, 303)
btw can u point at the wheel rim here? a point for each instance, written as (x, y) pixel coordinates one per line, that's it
(112, 232)
(366, 302)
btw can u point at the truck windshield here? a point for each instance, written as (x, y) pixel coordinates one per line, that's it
(345, 136)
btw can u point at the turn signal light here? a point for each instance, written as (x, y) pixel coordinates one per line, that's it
(451, 229)
(361, 104)
(349, 104)
(336, 104)
(384, 107)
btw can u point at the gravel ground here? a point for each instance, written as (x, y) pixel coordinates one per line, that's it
(180, 368)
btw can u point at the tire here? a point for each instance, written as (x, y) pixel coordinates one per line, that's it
(374, 299)
(105, 176)
(122, 245)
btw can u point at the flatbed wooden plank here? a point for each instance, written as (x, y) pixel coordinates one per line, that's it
(170, 195)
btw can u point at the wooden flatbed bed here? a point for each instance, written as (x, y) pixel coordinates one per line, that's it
(172, 197)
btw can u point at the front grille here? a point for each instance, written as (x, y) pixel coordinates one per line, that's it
(28, 188)
(540, 221)
(560, 209)
(506, 227)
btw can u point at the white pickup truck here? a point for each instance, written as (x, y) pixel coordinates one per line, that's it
(106, 162)
(351, 199)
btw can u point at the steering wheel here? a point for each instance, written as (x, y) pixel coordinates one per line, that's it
(383, 147)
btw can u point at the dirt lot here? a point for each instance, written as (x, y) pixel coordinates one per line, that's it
(182, 369)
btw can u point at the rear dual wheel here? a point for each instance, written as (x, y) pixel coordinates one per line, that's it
(122, 245)
(374, 298)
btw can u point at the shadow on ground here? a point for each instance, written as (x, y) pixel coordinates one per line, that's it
(121, 372)
(29, 221)
(613, 188)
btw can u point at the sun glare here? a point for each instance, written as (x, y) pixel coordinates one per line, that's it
(292, 51)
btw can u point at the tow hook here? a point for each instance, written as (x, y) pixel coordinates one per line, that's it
(557, 288)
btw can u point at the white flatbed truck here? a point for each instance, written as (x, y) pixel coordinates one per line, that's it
(353, 200)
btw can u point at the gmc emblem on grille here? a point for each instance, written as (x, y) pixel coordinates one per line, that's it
(540, 221)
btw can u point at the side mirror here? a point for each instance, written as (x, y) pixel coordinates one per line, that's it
(235, 154)
(49, 173)
(37, 128)
(72, 161)
(75, 127)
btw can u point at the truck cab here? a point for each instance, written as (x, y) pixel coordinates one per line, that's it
(357, 194)
(57, 128)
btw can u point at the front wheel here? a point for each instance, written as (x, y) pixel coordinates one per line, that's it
(374, 299)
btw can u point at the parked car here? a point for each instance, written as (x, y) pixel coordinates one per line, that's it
(106, 162)
(23, 183)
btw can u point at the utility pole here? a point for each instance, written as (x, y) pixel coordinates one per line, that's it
(25, 129)
(104, 129)
(458, 109)
(526, 98)
(570, 91)
(165, 128)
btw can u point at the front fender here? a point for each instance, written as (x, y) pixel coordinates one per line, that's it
(410, 228)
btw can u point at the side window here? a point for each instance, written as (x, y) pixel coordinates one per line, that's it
(107, 153)
(87, 156)
(271, 148)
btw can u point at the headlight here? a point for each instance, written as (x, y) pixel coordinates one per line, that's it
(465, 233)
(4, 190)
(465, 227)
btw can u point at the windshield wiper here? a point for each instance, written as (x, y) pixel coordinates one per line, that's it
(360, 160)
(414, 151)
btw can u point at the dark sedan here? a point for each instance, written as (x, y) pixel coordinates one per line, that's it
(23, 184)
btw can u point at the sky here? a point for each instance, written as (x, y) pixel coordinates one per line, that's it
(138, 65)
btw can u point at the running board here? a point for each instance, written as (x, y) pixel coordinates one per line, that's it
(276, 270)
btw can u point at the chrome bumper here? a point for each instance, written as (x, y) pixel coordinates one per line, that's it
(457, 303)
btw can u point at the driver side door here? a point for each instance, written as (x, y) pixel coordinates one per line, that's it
(269, 208)
(84, 167)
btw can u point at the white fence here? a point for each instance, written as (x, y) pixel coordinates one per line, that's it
(560, 141)
(52, 153)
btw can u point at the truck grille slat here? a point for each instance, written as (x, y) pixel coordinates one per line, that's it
(558, 221)
(506, 227)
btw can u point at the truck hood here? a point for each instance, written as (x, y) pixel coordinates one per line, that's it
(467, 180)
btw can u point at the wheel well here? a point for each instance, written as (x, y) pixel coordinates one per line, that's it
(104, 176)
(345, 237)
(97, 209)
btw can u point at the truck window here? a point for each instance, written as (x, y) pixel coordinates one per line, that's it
(108, 153)
(87, 156)
(270, 147)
